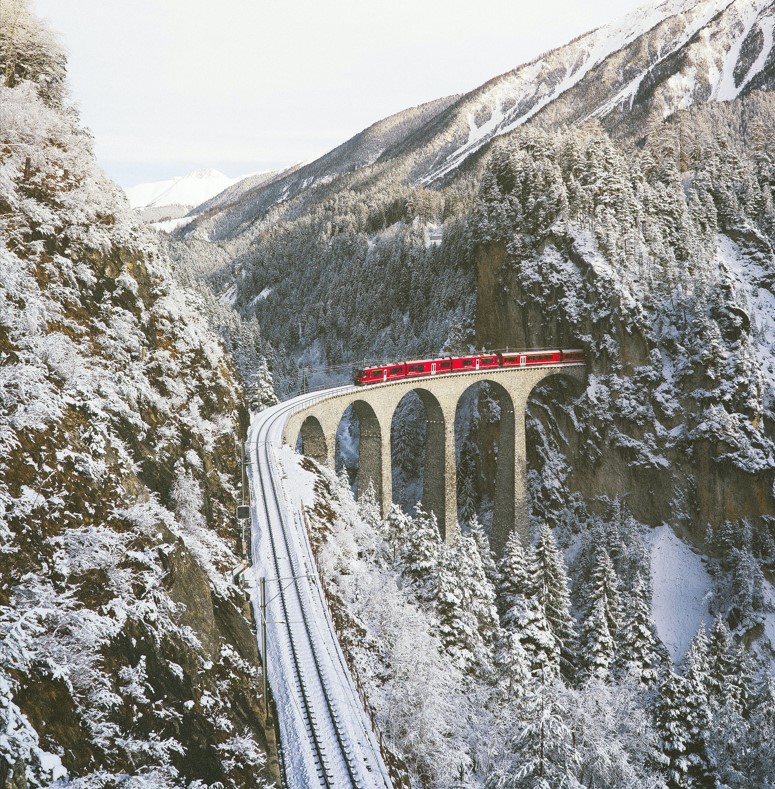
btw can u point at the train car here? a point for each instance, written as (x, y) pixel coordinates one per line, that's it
(466, 364)
(370, 375)
(574, 355)
(420, 367)
(528, 358)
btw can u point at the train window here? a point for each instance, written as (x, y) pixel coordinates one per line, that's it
(487, 360)
(468, 362)
(376, 374)
(416, 368)
(396, 370)
(547, 357)
(445, 365)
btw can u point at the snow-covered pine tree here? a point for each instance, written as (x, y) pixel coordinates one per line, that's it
(697, 713)
(675, 740)
(545, 749)
(696, 662)
(512, 665)
(485, 551)
(513, 586)
(720, 663)
(260, 387)
(395, 532)
(598, 645)
(549, 580)
(465, 606)
(368, 507)
(761, 755)
(640, 653)
(421, 556)
(523, 621)
(602, 621)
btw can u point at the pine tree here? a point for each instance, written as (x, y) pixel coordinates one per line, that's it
(513, 578)
(422, 553)
(485, 552)
(513, 665)
(675, 740)
(549, 581)
(455, 627)
(697, 712)
(395, 531)
(696, 662)
(465, 605)
(261, 392)
(598, 645)
(368, 508)
(603, 619)
(761, 754)
(522, 618)
(720, 663)
(641, 655)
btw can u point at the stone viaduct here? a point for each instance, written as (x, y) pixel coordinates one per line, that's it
(375, 406)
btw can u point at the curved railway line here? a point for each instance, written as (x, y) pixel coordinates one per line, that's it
(326, 740)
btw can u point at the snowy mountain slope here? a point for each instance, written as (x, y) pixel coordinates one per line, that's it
(126, 656)
(629, 74)
(620, 64)
(359, 152)
(232, 194)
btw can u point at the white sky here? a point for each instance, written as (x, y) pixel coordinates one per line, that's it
(169, 86)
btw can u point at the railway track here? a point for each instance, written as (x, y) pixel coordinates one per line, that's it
(325, 734)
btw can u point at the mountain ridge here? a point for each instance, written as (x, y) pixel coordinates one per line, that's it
(627, 75)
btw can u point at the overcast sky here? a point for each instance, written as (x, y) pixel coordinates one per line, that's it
(169, 86)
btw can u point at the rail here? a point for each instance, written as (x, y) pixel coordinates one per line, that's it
(331, 750)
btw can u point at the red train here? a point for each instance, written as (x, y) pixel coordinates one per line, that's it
(463, 364)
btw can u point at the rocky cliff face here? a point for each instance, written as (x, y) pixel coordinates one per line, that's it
(125, 650)
(659, 263)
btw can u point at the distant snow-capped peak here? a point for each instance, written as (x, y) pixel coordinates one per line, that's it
(187, 190)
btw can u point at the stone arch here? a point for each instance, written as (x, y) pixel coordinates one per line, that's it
(503, 499)
(433, 461)
(313, 440)
(370, 452)
(561, 380)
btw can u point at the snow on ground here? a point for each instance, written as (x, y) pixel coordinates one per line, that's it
(727, 87)
(300, 484)
(682, 588)
(169, 225)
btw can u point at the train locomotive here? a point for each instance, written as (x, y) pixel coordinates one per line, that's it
(422, 368)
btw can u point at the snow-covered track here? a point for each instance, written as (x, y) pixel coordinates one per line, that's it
(325, 734)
